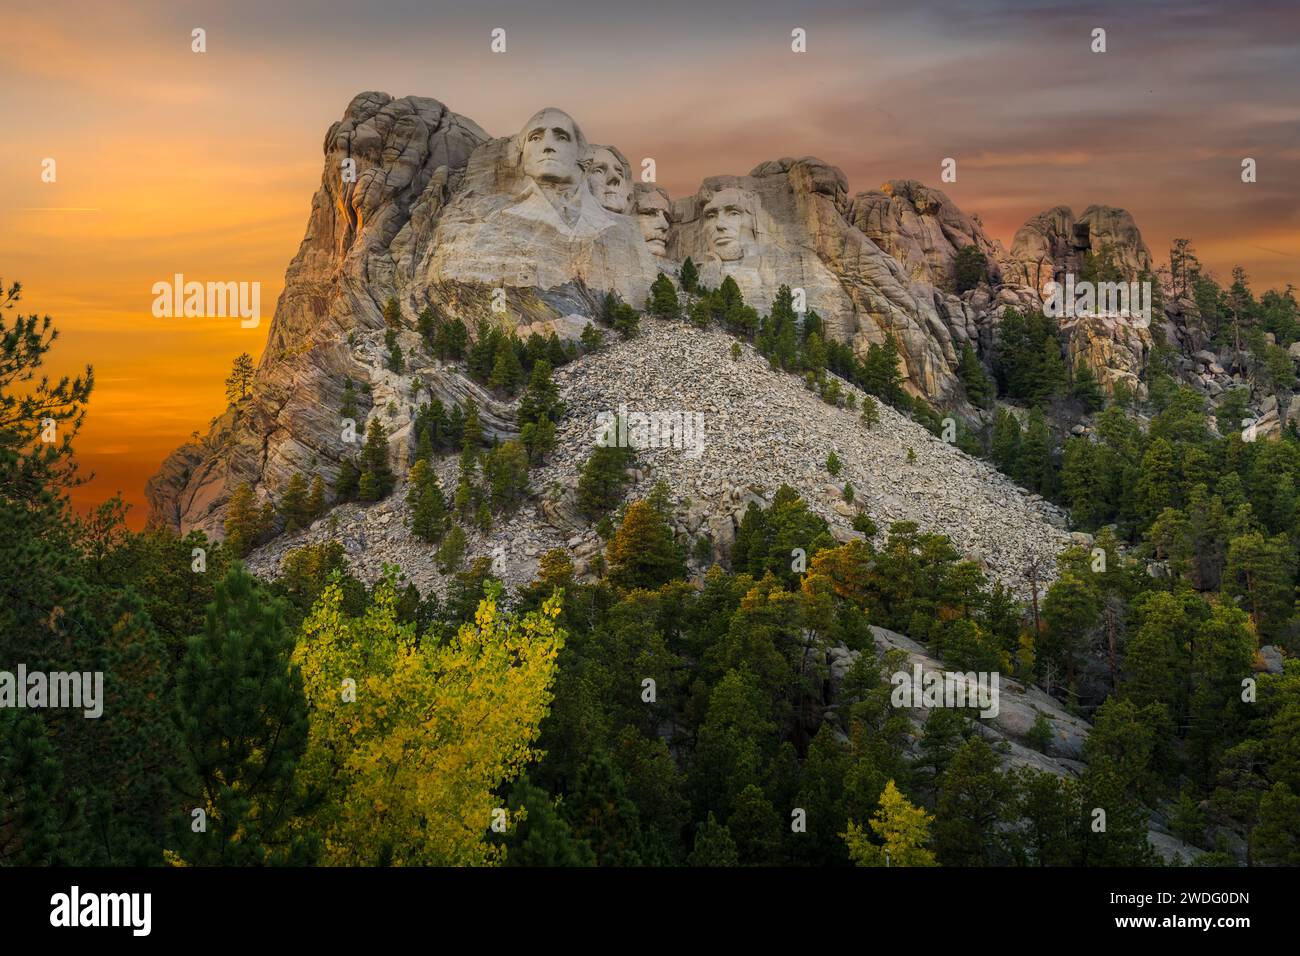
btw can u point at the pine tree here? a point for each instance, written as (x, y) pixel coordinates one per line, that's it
(348, 408)
(1086, 389)
(1005, 445)
(35, 831)
(244, 525)
(663, 302)
(1072, 609)
(1275, 841)
(600, 486)
(833, 464)
(627, 323)
(392, 313)
(755, 827)
(506, 370)
(642, 553)
(376, 475)
(814, 354)
(243, 718)
(293, 504)
(1049, 381)
(713, 846)
(427, 503)
(539, 409)
(450, 340)
(701, 313)
(1158, 486)
(452, 552)
(978, 388)
(870, 412)
(973, 801)
(970, 267)
(427, 325)
(1036, 468)
(690, 275)
(608, 310)
(505, 470)
(592, 338)
(1259, 573)
(542, 837)
(880, 373)
(538, 439)
(348, 484)
(483, 353)
(240, 381)
(602, 814)
(316, 498)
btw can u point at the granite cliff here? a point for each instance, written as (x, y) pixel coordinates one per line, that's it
(530, 231)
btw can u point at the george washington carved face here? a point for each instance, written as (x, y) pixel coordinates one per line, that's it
(550, 144)
(610, 178)
(729, 223)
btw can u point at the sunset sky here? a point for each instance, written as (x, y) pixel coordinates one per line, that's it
(205, 164)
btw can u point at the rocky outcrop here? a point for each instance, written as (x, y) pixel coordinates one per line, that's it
(923, 230)
(1054, 246)
(1054, 243)
(380, 159)
(530, 231)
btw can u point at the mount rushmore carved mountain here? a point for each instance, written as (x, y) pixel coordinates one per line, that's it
(529, 232)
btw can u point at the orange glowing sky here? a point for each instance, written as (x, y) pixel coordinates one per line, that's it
(205, 164)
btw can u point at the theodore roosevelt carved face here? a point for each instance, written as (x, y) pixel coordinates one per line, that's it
(652, 216)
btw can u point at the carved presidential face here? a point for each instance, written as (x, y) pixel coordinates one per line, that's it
(550, 145)
(728, 223)
(652, 217)
(609, 178)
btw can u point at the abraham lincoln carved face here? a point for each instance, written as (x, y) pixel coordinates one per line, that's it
(729, 223)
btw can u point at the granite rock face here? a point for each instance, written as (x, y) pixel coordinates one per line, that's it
(1055, 246)
(922, 229)
(379, 161)
(529, 232)
(1054, 242)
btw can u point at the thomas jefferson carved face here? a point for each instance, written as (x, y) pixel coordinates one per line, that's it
(652, 217)
(729, 223)
(610, 179)
(550, 144)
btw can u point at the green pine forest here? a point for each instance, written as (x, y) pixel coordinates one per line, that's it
(668, 712)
